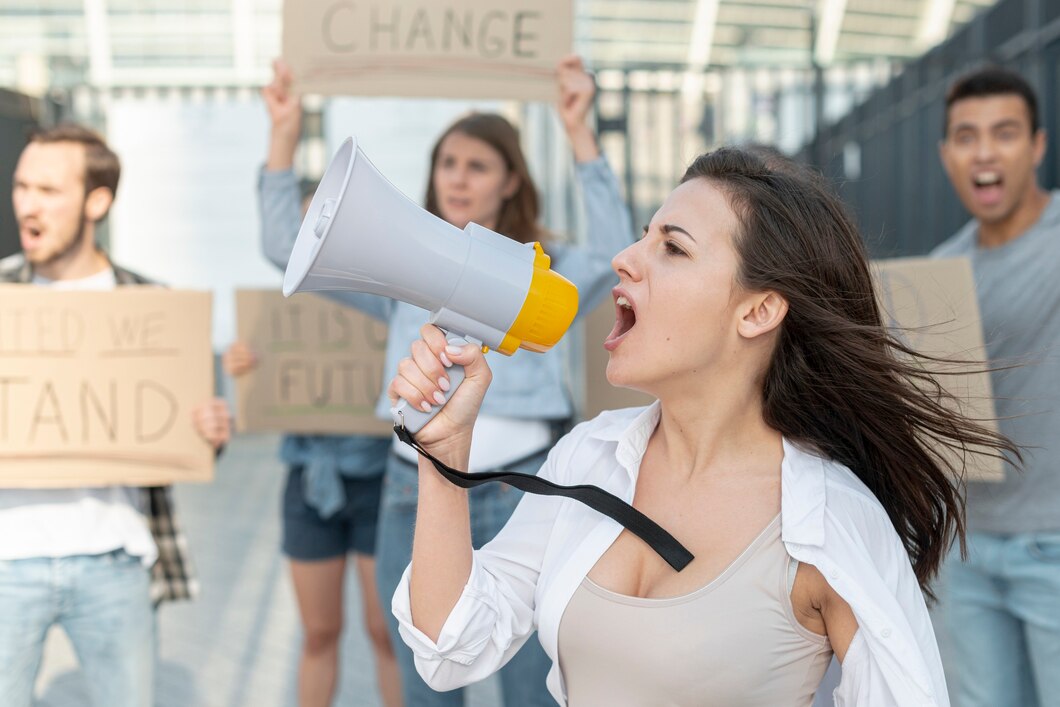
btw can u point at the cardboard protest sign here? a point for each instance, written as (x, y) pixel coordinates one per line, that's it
(320, 366)
(97, 388)
(931, 301)
(441, 48)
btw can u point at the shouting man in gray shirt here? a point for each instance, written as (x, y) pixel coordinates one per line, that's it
(1002, 606)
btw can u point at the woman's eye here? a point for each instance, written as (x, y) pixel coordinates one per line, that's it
(673, 249)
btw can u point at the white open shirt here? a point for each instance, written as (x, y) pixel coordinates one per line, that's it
(524, 578)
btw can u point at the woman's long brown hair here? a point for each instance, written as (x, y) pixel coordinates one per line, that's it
(518, 217)
(839, 380)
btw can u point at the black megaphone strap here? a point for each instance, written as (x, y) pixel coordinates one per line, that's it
(675, 554)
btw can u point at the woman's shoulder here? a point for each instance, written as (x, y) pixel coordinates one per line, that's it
(843, 483)
(859, 516)
(845, 497)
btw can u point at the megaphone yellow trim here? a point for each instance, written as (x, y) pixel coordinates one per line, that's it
(549, 308)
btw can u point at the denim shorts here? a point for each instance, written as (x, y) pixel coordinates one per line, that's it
(307, 536)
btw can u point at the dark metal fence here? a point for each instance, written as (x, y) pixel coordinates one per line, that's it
(884, 153)
(19, 115)
(653, 121)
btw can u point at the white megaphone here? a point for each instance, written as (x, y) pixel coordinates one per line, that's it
(362, 234)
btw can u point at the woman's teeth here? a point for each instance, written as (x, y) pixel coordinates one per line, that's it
(623, 302)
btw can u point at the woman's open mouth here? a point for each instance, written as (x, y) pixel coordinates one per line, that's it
(625, 319)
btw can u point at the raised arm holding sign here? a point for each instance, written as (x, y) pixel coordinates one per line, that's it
(300, 367)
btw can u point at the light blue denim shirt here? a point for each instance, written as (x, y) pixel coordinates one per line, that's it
(526, 385)
(325, 459)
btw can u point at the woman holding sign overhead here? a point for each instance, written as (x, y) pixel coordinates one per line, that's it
(478, 174)
(331, 497)
(797, 449)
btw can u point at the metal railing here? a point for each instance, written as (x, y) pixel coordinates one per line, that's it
(19, 115)
(654, 121)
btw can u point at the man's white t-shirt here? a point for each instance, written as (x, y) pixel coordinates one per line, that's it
(77, 521)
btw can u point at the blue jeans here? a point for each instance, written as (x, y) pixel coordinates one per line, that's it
(523, 677)
(102, 602)
(1001, 609)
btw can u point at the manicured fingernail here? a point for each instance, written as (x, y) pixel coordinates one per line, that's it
(445, 361)
(452, 350)
(425, 406)
(443, 383)
(439, 398)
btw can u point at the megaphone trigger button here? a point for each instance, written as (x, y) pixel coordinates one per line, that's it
(327, 210)
(485, 349)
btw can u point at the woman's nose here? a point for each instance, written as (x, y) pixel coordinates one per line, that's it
(459, 175)
(625, 261)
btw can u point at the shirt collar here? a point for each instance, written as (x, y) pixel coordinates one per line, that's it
(121, 275)
(802, 473)
(631, 435)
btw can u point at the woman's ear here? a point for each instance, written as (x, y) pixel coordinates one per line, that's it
(763, 312)
(511, 185)
(97, 203)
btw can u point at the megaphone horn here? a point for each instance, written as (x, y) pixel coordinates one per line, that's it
(362, 234)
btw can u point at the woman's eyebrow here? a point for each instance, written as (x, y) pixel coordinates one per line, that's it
(669, 228)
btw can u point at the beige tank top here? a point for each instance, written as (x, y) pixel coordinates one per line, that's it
(733, 643)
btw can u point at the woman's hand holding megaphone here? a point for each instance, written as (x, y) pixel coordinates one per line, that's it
(423, 380)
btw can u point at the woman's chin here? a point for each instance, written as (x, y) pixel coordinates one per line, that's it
(620, 377)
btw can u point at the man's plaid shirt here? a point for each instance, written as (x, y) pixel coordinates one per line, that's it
(172, 576)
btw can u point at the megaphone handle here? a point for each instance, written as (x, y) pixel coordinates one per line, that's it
(414, 419)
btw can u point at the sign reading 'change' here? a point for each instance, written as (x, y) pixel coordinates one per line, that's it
(442, 48)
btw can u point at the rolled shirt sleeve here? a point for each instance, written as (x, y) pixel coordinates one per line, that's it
(495, 613)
